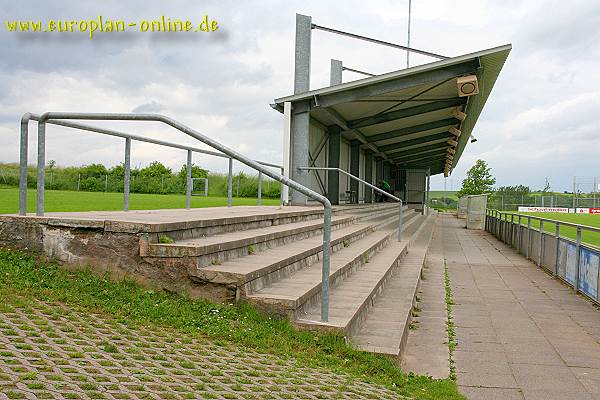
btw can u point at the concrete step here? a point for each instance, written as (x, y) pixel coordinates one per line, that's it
(301, 289)
(351, 300)
(385, 329)
(254, 272)
(188, 224)
(219, 248)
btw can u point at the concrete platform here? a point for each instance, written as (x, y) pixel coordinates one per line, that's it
(521, 333)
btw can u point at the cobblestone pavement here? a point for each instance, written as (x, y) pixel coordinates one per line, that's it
(521, 333)
(50, 351)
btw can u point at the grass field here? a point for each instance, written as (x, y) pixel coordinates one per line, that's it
(592, 220)
(437, 194)
(62, 200)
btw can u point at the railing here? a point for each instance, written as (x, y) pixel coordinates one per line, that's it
(51, 117)
(128, 138)
(375, 188)
(573, 261)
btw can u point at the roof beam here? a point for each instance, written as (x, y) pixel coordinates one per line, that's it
(423, 150)
(407, 112)
(413, 129)
(398, 83)
(430, 138)
(342, 123)
(439, 153)
(423, 159)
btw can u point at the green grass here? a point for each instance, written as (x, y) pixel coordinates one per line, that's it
(437, 194)
(593, 220)
(25, 277)
(64, 200)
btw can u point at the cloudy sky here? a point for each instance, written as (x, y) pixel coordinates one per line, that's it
(542, 120)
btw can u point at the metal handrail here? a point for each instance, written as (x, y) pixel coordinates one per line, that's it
(553, 221)
(391, 196)
(502, 227)
(111, 132)
(41, 163)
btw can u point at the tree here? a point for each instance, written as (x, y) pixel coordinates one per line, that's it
(518, 190)
(479, 180)
(155, 170)
(546, 186)
(197, 172)
(51, 164)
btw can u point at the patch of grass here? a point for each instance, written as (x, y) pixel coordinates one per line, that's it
(450, 323)
(165, 239)
(251, 249)
(24, 277)
(65, 200)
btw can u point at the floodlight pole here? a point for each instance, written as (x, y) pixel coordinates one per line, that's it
(408, 38)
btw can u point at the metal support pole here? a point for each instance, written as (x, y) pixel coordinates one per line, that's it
(326, 268)
(106, 183)
(127, 174)
(512, 230)
(230, 183)
(23, 165)
(557, 249)
(281, 191)
(78, 181)
(400, 222)
(260, 188)
(578, 257)
(541, 251)
(520, 234)
(188, 181)
(41, 169)
(528, 237)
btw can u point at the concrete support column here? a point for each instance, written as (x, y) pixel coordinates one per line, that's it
(378, 170)
(368, 175)
(333, 177)
(354, 168)
(335, 77)
(301, 112)
(299, 149)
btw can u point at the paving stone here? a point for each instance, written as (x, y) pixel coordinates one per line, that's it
(49, 350)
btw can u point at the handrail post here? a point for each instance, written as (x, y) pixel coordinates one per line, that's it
(577, 258)
(259, 188)
(541, 252)
(512, 230)
(188, 181)
(23, 164)
(41, 168)
(326, 263)
(520, 234)
(127, 174)
(281, 189)
(230, 183)
(400, 221)
(557, 250)
(528, 236)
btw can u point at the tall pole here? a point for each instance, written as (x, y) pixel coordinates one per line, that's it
(408, 38)
(301, 111)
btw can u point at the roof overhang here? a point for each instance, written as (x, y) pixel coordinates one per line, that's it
(401, 115)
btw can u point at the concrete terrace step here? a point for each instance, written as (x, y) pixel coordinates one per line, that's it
(233, 240)
(254, 272)
(348, 302)
(351, 300)
(386, 327)
(286, 296)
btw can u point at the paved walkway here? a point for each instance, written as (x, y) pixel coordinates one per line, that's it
(49, 351)
(521, 334)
